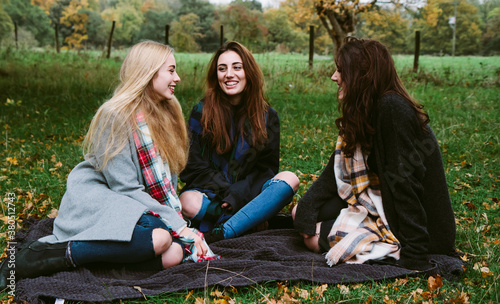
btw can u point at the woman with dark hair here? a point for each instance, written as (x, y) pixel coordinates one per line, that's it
(232, 180)
(383, 197)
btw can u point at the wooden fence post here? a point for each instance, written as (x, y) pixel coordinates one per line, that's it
(57, 38)
(221, 35)
(110, 39)
(167, 32)
(417, 51)
(311, 46)
(15, 35)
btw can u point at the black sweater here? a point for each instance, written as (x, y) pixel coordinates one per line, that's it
(415, 195)
(229, 180)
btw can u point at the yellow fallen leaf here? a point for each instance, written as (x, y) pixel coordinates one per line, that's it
(12, 160)
(189, 294)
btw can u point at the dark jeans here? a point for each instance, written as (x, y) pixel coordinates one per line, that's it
(139, 249)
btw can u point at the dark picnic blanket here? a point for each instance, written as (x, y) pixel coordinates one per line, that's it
(271, 255)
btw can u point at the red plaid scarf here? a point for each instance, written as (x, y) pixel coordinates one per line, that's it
(159, 185)
(155, 171)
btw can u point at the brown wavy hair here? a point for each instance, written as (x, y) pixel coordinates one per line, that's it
(218, 116)
(367, 73)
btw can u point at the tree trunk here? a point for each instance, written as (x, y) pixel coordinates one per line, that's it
(332, 26)
(339, 18)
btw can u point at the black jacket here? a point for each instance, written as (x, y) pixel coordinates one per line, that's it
(415, 195)
(224, 178)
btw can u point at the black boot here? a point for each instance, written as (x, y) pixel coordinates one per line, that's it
(38, 259)
(7, 269)
(6, 277)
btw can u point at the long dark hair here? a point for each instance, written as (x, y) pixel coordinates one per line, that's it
(367, 73)
(217, 114)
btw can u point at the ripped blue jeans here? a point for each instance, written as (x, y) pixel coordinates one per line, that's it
(275, 195)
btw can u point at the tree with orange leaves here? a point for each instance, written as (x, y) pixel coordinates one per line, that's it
(339, 17)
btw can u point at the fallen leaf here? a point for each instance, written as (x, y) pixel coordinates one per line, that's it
(140, 290)
(343, 289)
(53, 213)
(12, 160)
(470, 205)
(287, 299)
(462, 298)
(189, 294)
(304, 294)
(200, 300)
(434, 283)
(485, 272)
(320, 290)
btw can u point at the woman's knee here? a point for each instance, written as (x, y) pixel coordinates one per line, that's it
(173, 256)
(290, 178)
(162, 240)
(191, 202)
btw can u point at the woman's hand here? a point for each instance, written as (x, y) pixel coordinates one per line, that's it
(226, 206)
(201, 248)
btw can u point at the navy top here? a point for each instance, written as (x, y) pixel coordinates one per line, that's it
(237, 176)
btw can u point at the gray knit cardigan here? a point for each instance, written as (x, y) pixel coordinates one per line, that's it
(106, 205)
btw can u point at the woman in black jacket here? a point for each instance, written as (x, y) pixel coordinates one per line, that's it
(232, 179)
(383, 195)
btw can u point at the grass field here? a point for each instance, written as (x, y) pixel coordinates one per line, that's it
(47, 101)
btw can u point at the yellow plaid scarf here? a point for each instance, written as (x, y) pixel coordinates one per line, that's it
(361, 231)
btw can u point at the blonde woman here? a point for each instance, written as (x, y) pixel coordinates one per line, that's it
(121, 205)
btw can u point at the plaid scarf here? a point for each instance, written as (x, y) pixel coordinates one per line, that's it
(159, 185)
(361, 231)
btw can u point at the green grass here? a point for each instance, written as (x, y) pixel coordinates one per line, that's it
(47, 102)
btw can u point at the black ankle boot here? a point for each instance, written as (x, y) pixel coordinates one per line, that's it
(38, 259)
(6, 277)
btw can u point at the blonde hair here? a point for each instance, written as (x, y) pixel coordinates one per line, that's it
(135, 93)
